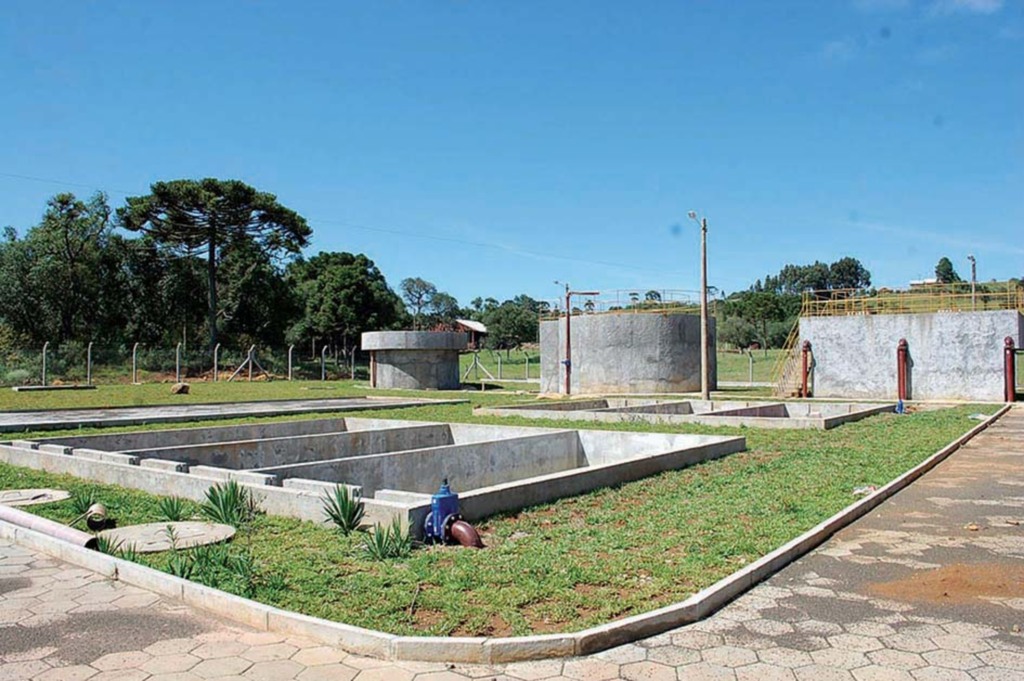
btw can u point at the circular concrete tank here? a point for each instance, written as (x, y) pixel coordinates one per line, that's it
(414, 360)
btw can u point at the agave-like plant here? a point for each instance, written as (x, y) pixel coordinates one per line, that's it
(229, 503)
(172, 508)
(384, 542)
(344, 507)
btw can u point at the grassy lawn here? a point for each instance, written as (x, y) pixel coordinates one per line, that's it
(576, 562)
(735, 366)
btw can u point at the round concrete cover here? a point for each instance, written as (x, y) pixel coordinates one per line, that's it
(155, 537)
(28, 497)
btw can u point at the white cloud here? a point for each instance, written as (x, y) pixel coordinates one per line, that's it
(969, 6)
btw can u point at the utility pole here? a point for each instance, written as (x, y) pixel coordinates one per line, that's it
(568, 329)
(705, 350)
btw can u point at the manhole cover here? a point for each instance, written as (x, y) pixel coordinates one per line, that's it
(28, 497)
(154, 537)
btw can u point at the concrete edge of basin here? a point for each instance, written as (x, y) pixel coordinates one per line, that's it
(481, 650)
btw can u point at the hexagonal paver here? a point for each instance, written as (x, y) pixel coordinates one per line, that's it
(952, 659)
(273, 651)
(839, 659)
(221, 666)
(909, 643)
(328, 672)
(647, 671)
(385, 674)
(764, 672)
(172, 646)
(729, 656)
(897, 659)
(860, 644)
(215, 649)
(1003, 658)
(703, 671)
(785, 657)
(697, 640)
(876, 673)
(940, 674)
(819, 673)
(962, 644)
(123, 660)
(589, 669)
(673, 656)
(169, 664)
(122, 675)
(275, 670)
(532, 671)
(14, 671)
(78, 672)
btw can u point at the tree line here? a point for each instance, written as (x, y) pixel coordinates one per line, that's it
(205, 262)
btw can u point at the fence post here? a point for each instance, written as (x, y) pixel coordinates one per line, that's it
(750, 361)
(46, 346)
(1010, 360)
(352, 370)
(499, 365)
(216, 361)
(177, 364)
(527, 367)
(290, 349)
(135, 364)
(323, 362)
(88, 364)
(248, 358)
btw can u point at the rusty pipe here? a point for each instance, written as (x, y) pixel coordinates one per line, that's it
(901, 368)
(465, 534)
(1010, 369)
(48, 527)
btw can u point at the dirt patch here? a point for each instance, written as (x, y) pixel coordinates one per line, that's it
(426, 618)
(958, 583)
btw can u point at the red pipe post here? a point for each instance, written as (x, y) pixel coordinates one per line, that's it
(1010, 368)
(901, 368)
(805, 373)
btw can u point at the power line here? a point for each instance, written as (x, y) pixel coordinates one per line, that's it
(382, 230)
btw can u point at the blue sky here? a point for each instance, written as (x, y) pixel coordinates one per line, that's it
(493, 147)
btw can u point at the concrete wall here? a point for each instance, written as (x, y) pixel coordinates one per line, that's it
(415, 360)
(280, 451)
(625, 353)
(953, 355)
(466, 466)
(117, 442)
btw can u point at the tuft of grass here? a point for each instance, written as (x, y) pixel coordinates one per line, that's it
(173, 509)
(82, 499)
(117, 548)
(230, 503)
(386, 542)
(344, 508)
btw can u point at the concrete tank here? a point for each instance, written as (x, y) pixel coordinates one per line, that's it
(414, 360)
(626, 353)
(953, 355)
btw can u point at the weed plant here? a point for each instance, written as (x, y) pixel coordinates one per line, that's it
(386, 542)
(230, 503)
(173, 509)
(344, 508)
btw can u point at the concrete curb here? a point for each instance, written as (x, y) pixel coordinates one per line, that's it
(480, 650)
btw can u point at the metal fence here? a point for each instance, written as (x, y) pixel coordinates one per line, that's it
(931, 298)
(90, 364)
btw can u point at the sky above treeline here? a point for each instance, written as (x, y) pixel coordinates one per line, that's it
(493, 148)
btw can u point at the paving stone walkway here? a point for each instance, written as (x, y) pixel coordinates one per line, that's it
(844, 612)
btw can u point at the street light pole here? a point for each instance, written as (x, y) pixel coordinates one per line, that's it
(705, 350)
(974, 279)
(568, 327)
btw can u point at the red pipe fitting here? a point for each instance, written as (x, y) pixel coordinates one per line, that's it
(805, 373)
(1010, 369)
(901, 368)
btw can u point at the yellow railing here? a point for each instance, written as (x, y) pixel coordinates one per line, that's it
(781, 370)
(933, 298)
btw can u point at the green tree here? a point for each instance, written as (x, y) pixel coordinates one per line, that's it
(416, 293)
(342, 295)
(944, 272)
(848, 273)
(212, 214)
(512, 323)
